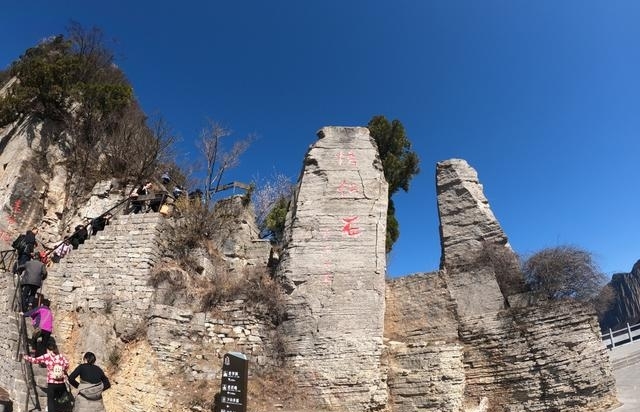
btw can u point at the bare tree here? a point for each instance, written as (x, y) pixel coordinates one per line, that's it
(135, 146)
(267, 193)
(506, 267)
(564, 272)
(217, 161)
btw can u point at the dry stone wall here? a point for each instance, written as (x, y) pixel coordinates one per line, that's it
(104, 302)
(110, 273)
(334, 261)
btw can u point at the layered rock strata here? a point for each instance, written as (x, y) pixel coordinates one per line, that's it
(466, 223)
(425, 371)
(544, 358)
(334, 262)
(537, 358)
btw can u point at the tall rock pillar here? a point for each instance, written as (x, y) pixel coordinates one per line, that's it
(334, 261)
(466, 223)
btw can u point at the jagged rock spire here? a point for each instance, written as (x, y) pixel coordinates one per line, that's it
(466, 223)
(334, 261)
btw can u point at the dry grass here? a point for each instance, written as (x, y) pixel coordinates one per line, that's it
(278, 390)
(256, 286)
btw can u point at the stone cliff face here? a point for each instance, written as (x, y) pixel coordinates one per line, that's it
(440, 341)
(626, 306)
(426, 369)
(334, 262)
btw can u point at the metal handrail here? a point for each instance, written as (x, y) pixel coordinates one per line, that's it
(27, 367)
(7, 259)
(50, 250)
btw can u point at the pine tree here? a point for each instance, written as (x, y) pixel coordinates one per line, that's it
(399, 162)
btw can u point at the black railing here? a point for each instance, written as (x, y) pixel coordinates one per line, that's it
(23, 343)
(7, 260)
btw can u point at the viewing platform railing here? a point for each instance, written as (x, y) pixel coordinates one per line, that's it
(620, 337)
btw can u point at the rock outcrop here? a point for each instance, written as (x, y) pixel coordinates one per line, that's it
(538, 358)
(236, 235)
(334, 262)
(466, 223)
(541, 358)
(626, 302)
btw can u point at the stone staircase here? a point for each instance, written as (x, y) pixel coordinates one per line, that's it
(112, 266)
(110, 272)
(112, 246)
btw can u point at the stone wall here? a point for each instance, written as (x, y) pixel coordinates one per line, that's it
(334, 262)
(110, 273)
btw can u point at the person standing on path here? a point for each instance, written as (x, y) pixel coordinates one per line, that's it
(92, 383)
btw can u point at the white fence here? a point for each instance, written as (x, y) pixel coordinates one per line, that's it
(620, 337)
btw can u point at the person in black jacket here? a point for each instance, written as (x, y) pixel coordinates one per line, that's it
(26, 254)
(92, 383)
(99, 223)
(79, 235)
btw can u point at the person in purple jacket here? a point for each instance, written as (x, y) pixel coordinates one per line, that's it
(42, 320)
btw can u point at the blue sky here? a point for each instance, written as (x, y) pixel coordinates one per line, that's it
(540, 97)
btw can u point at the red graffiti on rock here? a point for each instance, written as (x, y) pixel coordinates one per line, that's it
(349, 227)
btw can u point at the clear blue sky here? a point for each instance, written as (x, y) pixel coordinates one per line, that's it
(542, 98)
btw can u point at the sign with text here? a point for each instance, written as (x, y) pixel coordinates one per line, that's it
(233, 388)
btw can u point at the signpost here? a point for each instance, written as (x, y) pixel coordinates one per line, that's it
(233, 388)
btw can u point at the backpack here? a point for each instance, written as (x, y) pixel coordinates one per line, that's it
(20, 244)
(58, 372)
